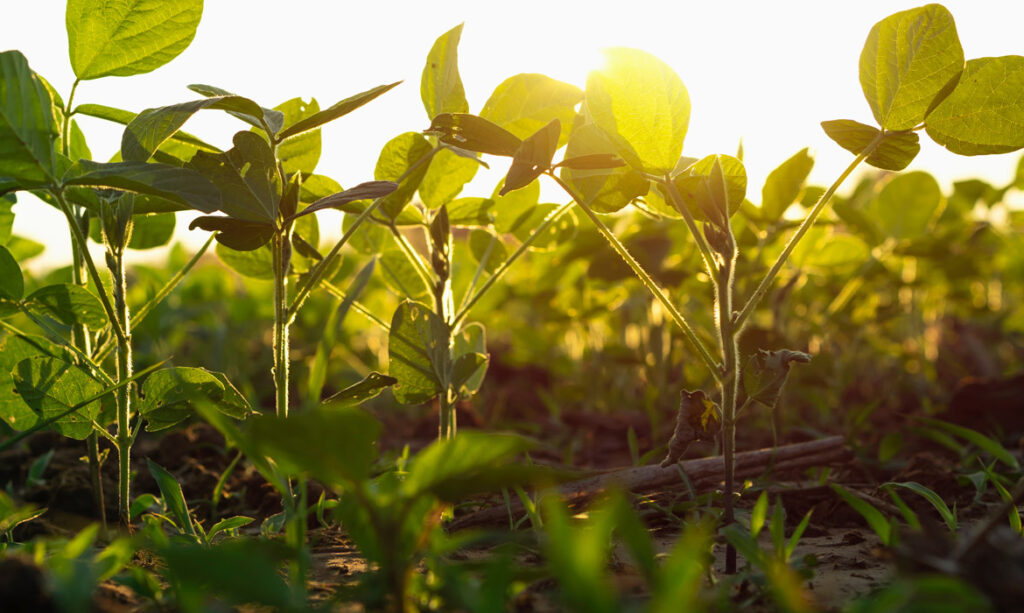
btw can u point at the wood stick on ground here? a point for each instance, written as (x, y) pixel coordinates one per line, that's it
(702, 472)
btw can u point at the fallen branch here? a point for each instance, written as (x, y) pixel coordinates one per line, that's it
(702, 472)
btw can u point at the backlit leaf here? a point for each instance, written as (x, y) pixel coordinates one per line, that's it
(357, 393)
(474, 133)
(183, 188)
(985, 112)
(12, 283)
(470, 345)
(246, 176)
(643, 107)
(16, 347)
(525, 103)
(120, 39)
(445, 178)
(301, 153)
(416, 353)
(336, 110)
(69, 304)
(485, 244)
(51, 386)
(401, 276)
(907, 60)
(783, 185)
(441, 86)
(264, 119)
(396, 158)
(694, 184)
(448, 468)
(167, 395)
(907, 205)
(895, 152)
(28, 129)
(605, 190)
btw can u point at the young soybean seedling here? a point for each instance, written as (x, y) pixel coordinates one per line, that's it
(642, 121)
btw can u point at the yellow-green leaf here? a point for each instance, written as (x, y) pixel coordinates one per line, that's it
(525, 103)
(441, 86)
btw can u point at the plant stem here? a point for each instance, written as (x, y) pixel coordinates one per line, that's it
(729, 335)
(766, 282)
(647, 281)
(281, 249)
(691, 223)
(124, 394)
(65, 131)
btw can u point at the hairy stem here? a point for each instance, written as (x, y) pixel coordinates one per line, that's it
(123, 396)
(281, 251)
(691, 223)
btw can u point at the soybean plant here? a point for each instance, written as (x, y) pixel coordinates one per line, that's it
(626, 142)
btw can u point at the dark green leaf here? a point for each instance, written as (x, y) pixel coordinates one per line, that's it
(265, 119)
(895, 152)
(472, 339)
(184, 187)
(167, 395)
(151, 231)
(246, 176)
(238, 234)
(7, 202)
(417, 352)
(174, 498)
(335, 445)
(357, 393)
(128, 38)
(440, 86)
(985, 112)
(474, 133)
(51, 387)
(465, 368)
(13, 409)
(335, 111)
(28, 128)
(532, 158)
(368, 190)
(150, 128)
(12, 283)
(69, 304)
(908, 60)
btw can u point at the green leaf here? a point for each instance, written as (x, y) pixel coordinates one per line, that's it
(13, 410)
(695, 187)
(825, 249)
(783, 185)
(471, 211)
(396, 158)
(363, 191)
(908, 59)
(417, 352)
(357, 393)
(937, 502)
(896, 151)
(7, 202)
(182, 187)
(448, 469)
(301, 153)
(604, 190)
(557, 234)
(532, 158)
(167, 395)
(127, 38)
(440, 86)
(151, 231)
(12, 283)
(447, 175)
(401, 276)
(28, 129)
(258, 263)
(468, 372)
(334, 111)
(473, 133)
(525, 103)
(174, 498)
(985, 112)
(70, 304)
(907, 206)
(51, 386)
(484, 243)
(148, 130)
(246, 176)
(265, 119)
(238, 234)
(758, 514)
(875, 519)
(991, 446)
(337, 446)
(643, 107)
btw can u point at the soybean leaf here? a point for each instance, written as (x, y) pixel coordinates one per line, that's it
(471, 211)
(694, 185)
(445, 178)
(510, 208)
(642, 106)
(824, 249)
(783, 185)
(441, 86)
(238, 234)
(558, 233)
(28, 129)
(144, 134)
(396, 158)
(246, 176)
(401, 276)
(907, 205)
(605, 190)
(416, 352)
(151, 231)
(183, 188)
(532, 158)
(301, 153)
(525, 103)
(767, 371)
(485, 244)
(12, 283)
(985, 112)
(595, 161)
(174, 498)
(128, 38)
(69, 304)
(228, 525)
(337, 446)
(258, 263)
(334, 111)
(363, 191)
(895, 152)
(909, 59)
(50, 387)
(264, 119)
(7, 202)
(469, 463)
(474, 133)
(357, 393)
(167, 394)
(13, 409)
(470, 345)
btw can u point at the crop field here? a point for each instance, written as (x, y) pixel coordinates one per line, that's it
(620, 376)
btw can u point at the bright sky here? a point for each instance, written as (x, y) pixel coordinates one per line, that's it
(766, 72)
